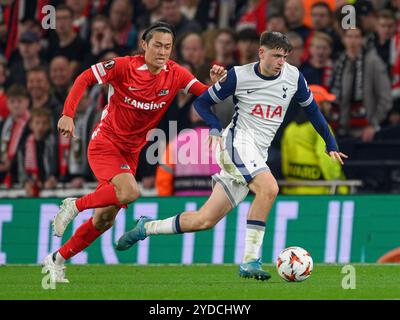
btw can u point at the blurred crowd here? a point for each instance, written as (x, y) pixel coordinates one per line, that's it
(358, 67)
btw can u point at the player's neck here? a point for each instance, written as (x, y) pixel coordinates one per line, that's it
(266, 73)
(154, 69)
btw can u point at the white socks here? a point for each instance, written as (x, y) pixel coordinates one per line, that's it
(58, 259)
(166, 226)
(254, 238)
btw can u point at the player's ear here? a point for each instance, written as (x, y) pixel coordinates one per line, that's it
(143, 44)
(261, 52)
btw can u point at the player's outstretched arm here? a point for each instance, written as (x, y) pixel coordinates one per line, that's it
(224, 88)
(83, 81)
(321, 126)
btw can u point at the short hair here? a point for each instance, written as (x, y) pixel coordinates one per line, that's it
(291, 35)
(42, 69)
(17, 91)
(158, 26)
(101, 18)
(65, 8)
(386, 14)
(357, 27)
(227, 31)
(248, 34)
(41, 112)
(275, 40)
(322, 4)
(322, 36)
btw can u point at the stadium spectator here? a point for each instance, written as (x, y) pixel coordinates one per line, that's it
(308, 8)
(12, 129)
(190, 49)
(189, 176)
(294, 14)
(295, 56)
(80, 20)
(60, 77)
(102, 40)
(150, 15)
(35, 163)
(366, 14)
(170, 11)
(225, 48)
(277, 22)
(362, 87)
(125, 33)
(28, 48)
(247, 46)
(38, 85)
(318, 68)
(385, 33)
(65, 41)
(303, 151)
(254, 16)
(322, 18)
(4, 112)
(394, 6)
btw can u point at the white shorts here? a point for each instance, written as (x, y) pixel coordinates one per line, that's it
(240, 161)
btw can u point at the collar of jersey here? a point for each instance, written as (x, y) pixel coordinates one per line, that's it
(262, 76)
(145, 67)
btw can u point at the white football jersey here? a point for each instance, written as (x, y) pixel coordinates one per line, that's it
(261, 102)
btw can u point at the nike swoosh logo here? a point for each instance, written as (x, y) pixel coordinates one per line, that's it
(133, 89)
(250, 91)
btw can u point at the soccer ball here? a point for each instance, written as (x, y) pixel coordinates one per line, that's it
(294, 264)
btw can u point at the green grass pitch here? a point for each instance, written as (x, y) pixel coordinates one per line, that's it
(196, 282)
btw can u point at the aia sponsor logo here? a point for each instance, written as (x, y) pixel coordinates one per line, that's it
(267, 112)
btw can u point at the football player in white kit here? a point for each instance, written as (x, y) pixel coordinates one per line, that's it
(261, 92)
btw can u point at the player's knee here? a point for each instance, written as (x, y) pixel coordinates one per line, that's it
(128, 194)
(268, 192)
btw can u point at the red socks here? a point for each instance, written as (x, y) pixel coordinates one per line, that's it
(82, 238)
(103, 197)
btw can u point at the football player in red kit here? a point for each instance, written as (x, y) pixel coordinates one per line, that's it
(141, 88)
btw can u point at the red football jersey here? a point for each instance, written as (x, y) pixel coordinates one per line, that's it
(137, 99)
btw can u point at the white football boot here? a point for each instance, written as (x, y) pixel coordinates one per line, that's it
(57, 272)
(68, 211)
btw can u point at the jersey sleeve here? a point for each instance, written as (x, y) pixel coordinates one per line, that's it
(109, 70)
(223, 88)
(186, 79)
(303, 95)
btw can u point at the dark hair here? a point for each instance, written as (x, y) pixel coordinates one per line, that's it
(16, 91)
(65, 8)
(322, 4)
(160, 27)
(386, 14)
(42, 69)
(275, 40)
(40, 112)
(357, 27)
(228, 31)
(248, 34)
